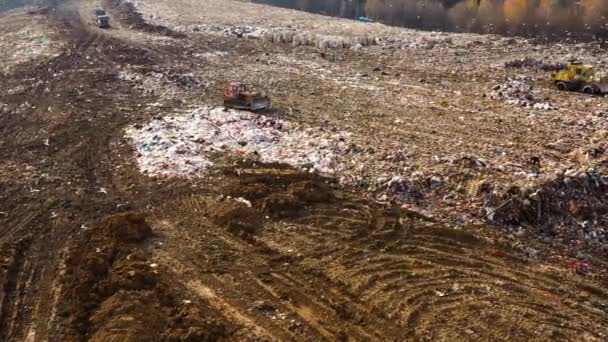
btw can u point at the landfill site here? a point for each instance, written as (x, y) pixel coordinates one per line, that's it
(220, 170)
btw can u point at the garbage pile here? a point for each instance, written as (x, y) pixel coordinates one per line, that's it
(183, 145)
(597, 120)
(567, 207)
(424, 42)
(156, 82)
(187, 145)
(320, 41)
(402, 189)
(287, 36)
(303, 37)
(520, 92)
(240, 31)
(27, 44)
(535, 64)
(187, 80)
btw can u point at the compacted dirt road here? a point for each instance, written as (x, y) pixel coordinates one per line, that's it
(92, 249)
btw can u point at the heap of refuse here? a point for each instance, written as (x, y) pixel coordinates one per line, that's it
(320, 41)
(161, 82)
(520, 92)
(535, 64)
(189, 144)
(429, 42)
(184, 144)
(240, 30)
(187, 80)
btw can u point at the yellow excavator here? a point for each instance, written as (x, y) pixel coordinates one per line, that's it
(580, 77)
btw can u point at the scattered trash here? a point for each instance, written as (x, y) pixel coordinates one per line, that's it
(520, 92)
(366, 19)
(32, 42)
(532, 254)
(244, 201)
(563, 206)
(240, 31)
(403, 189)
(182, 145)
(320, 41)
(580, 267)
(535, 64)
(263, 306)
(161, 82)
(439, 293)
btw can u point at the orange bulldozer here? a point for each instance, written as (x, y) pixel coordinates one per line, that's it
(239, 95)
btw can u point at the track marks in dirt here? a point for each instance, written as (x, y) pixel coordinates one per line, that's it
(111, 290)
(75, 108)
(429, 281)
(437, 287)
(126, 13)
(230, 313)
(330, 268)
(9, 267)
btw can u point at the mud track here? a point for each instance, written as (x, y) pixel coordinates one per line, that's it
(90, 249)
(338, 268)
(57, 147)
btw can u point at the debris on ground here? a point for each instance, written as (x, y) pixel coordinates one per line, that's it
(519, 91)
(535, 64)
(186, 145)
(565, 207)
(30, 39)
(409, 191)
(162, 82)
(580, 267)
(183, 144)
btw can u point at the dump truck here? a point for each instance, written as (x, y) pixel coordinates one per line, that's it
(582, 78)
(239, 95)
(101, 19)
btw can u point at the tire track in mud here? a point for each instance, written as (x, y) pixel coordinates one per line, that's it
(329, 269)
(345, 268)
(282, 308)
(72, 104)
(438, 283)
(13, 281)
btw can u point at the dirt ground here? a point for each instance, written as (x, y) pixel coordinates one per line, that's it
(92, 249)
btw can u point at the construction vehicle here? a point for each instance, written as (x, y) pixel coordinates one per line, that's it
(239, 95)
(580, 77)
(101, 19)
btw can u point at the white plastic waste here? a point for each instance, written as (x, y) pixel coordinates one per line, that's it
(182, 144)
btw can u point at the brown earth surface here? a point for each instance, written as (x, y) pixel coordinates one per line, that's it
(91, 249)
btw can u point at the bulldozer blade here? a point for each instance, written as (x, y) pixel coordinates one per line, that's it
(257, 104)
(260, 104)
(235, 105)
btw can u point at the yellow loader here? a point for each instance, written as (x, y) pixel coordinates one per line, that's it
(580, 77)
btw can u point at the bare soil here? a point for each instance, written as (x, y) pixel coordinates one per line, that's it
(91, 249)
